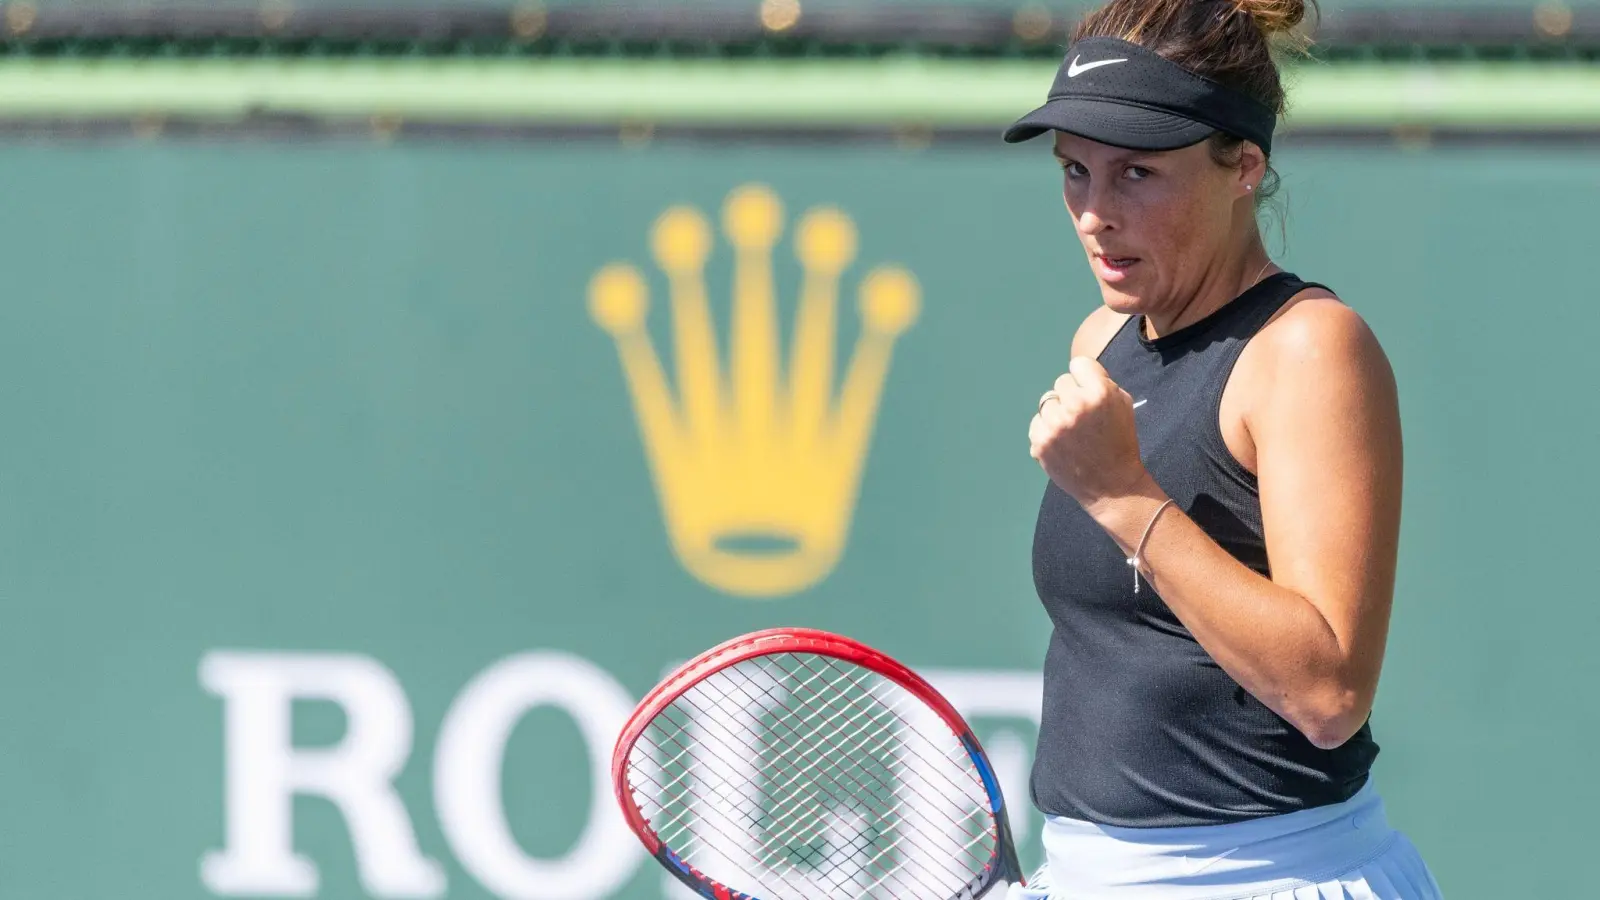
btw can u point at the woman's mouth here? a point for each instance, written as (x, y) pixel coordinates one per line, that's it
(1114, 268)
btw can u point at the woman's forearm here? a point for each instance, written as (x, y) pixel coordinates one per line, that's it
(1270, 639)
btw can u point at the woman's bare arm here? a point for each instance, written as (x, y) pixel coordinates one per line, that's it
(1325, 429)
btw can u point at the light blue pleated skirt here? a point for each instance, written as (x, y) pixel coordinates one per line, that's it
(1346, 851)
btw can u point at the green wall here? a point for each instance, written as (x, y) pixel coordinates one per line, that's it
(334, 420)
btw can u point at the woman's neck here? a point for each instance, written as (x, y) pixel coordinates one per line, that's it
(1220, 287)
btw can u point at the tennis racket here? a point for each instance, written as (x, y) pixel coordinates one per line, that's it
(794, 764)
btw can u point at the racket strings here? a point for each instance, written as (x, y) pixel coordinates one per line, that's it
(955, 747)
(876, 790)
(684, 724)
(954, 754)
(871, 785)
(892, 708)
(684, 845)
(860, 722)
(843, 728)
(953, 751)
(808, 777)
(684, 840)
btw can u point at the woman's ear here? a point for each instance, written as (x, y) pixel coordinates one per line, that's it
(1252, 167)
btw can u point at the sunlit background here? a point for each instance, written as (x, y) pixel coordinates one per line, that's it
(358, 474)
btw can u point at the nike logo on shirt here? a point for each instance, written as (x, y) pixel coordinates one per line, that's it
(1075, 68)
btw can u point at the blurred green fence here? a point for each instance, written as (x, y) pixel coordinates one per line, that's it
(910, 94)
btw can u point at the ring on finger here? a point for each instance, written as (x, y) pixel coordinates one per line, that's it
(1048, 396)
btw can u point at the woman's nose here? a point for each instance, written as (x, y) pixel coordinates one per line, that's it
(1090, 212)
(1090, 222)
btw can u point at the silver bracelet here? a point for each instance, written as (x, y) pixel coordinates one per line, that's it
(1138, 552)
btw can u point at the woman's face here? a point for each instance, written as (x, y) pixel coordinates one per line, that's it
(1158, 226)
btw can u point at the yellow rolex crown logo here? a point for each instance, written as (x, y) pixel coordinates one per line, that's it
(756, 467)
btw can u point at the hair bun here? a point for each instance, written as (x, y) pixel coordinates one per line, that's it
(1274, 17)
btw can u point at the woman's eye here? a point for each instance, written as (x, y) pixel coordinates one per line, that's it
(1075, 170)
(1137, 173)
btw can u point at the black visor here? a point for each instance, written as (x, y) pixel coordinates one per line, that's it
(1121, 94)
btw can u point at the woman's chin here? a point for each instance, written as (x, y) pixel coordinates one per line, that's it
(1120, 300)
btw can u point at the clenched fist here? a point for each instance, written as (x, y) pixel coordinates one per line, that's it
(1084, 435)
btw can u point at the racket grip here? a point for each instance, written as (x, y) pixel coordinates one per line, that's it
(1010, 865)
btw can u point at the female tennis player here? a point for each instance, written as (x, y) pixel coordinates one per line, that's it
(1216, 546)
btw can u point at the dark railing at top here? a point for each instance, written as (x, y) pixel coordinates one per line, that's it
(772, 28)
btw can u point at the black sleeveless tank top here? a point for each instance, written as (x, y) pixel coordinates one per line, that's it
(1140, 727)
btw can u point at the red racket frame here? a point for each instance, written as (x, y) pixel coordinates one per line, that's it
(789, 640)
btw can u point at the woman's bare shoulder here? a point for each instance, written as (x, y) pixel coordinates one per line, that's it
(1097, 331)
(1317, 329)
(1317, 357)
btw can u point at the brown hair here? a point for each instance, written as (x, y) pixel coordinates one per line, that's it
(1232, 42)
